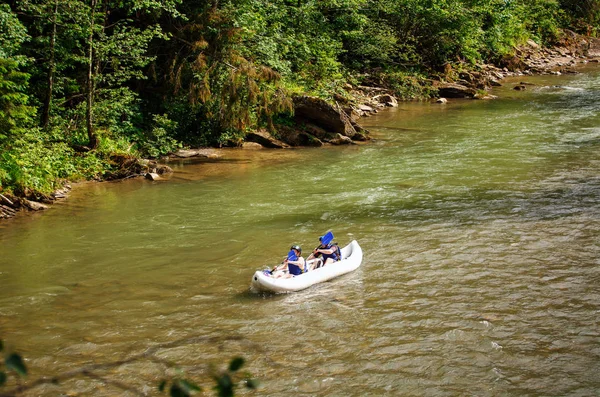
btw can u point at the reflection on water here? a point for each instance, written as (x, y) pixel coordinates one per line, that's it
(479, 223)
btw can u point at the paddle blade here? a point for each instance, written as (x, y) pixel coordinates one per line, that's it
(327, 238)
(292, 256)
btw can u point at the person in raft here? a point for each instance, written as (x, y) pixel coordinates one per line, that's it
(294, 264)
(326, 250)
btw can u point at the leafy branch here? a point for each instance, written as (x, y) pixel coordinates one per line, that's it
(225, 381)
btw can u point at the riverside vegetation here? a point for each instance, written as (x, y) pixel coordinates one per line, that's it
(88, 87)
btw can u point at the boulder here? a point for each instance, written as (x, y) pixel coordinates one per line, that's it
(187, 153)
(452, 90)
(264, 138)
(298, 137)
(594, 47)
(316, 111)
(341, 140)
(386, 99)
(252, 145)
(442, 100)
(34, 205)
(366, 109)
(152, 176)
(533, 44)
(163, 169)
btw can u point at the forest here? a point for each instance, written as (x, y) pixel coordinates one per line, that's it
(84, 81)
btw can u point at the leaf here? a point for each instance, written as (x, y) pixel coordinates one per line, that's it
(2, 378)
(189, 386)
(224, 386)
(15, 362)
(177, 391)
(252, 383)
(161, 387)
(236, 364)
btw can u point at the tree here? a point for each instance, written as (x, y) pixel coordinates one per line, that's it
(15, 113)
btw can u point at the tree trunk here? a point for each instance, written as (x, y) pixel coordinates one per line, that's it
(51, 71)
(89, 115)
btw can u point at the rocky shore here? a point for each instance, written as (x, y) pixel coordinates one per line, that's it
(318, 122)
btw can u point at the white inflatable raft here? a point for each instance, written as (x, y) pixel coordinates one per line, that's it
(351, 260)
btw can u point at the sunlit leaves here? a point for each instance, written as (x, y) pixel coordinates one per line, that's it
(15, 362)
(179, 388)
(225, 382)
(236, 364)
(12, 362)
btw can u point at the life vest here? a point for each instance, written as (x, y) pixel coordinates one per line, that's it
(334, 255)
(294, 269)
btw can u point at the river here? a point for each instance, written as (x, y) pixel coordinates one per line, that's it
(479, 222)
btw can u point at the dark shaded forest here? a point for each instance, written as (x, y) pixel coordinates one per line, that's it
(83, 82)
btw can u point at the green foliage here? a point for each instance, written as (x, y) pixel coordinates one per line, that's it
(159, 140)
(15, 114)
(12, 363)
(582, 15)
(407, 85)
(168, 73)
(225, 381)
(12, 32)
(179, 388)
(30, 164)
(541, 19)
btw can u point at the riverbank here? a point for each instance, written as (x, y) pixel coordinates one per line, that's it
(318, 122)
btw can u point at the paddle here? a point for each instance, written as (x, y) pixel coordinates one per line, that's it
(291, 256)
(325, 240)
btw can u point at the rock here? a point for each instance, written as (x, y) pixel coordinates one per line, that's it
(264, 138)
(317, 111)
(152, 176)
(34, 205)
(317, 131)
(187, 153)
(366, 109)
(593, 48)
(162, 169)
(486, 96)
(452, 90)
(8, 210)
(353, 113)
(5, 200)
(298, 137)
(533, 44)
(387, 100)
(362, 132)
(442, 100)
(341, 140)
(252, 145)
(61, 193)
(520, 87)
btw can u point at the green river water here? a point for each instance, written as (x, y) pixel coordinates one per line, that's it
(480, 226)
